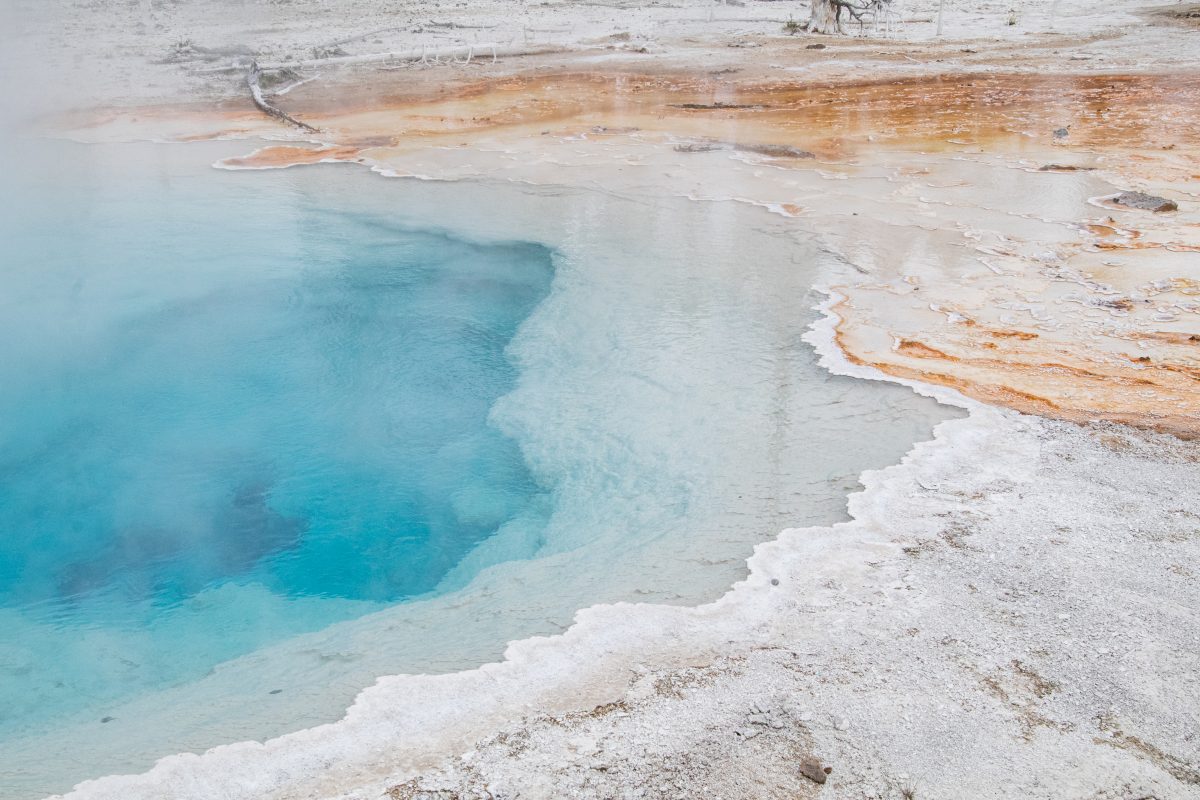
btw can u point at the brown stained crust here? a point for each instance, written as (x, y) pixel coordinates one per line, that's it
(911, 347)
(829, 119)
(291, 155)
(1076, 394)
(1118, 119)
(1186, 14)
(1173, 247)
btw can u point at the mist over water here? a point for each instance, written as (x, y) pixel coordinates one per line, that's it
(232, 416)
(265, 437)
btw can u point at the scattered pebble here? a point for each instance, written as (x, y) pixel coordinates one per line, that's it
(814, 770)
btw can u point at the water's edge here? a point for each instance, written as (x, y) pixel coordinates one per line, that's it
(459, 707)
(578, 653)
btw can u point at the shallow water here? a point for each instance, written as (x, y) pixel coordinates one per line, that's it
(267, 436)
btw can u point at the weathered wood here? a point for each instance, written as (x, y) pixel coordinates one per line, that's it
(357, 36)
(461, 26)
(418, 54)
(254, 83)
(826, 15)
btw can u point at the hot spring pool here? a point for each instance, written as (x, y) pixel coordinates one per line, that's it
(267, 436)
(229, 422)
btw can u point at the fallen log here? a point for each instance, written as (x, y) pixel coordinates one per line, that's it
(418, 54)
(253, 82)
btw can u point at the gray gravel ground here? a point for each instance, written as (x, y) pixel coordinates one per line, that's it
(1037, 638)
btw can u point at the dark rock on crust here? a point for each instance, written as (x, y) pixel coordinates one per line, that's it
(700, 147)
(775, 150)
(1063, 168)
(770, 150)
(812, 769)
(1145, 202)
(714, 106)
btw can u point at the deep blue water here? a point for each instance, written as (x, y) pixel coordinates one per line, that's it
(233, 409)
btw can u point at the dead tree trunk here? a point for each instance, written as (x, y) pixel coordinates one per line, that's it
(825, 17)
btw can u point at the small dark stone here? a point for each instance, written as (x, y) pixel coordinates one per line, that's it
(275, 691)
(812, 769)
(699, 147)
(107, 719)
(770, 150)
(775, 150)
(1145, 202)
(718, 106)
(817, 46)
(1061, 133)
(774, 581)
(1063, 168)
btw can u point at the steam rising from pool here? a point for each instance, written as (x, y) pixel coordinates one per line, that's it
(267, 436)
(225, 423)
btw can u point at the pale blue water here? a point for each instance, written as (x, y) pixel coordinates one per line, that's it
(267, 436)
(219, 385)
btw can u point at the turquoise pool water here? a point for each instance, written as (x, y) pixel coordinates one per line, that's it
(230, 412)
(267, 436)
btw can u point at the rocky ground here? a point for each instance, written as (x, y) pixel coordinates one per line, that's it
(1012, 646)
